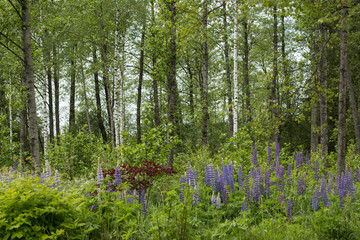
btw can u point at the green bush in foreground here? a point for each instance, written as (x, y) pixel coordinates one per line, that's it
(31, 209)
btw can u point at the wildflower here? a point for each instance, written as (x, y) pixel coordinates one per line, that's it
(240, 180)
(244, 206)
(213, 199)
(267, 183)
(218, 201)
(316, 171)
(100, 175)
(282, 197)
(47, 169)
(195, 196)
(254, 155)
(307, 160)
(289, 208)
(117, 175)
(326, 202)
(257, 189)
(277, 153)
(315, 200)
(357, 175)
(142, 197)
(289, 175)
(342, 189)
(15, 163)
(247, 186)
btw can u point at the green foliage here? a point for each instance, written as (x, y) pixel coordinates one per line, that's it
(7, 148)
(30, 209)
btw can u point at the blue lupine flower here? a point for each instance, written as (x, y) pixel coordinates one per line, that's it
(282, 197)
(277, 152)
(142, 197)
(299, 186)
(316, 171)
(342, 189)
(218, 201)
(256, 191)
(213, 199)
(269, 155)
(280, 176)
(315, 200)
(182, 188)
(330, 183)
(289, 208)
(47, 169)
(289, 175)
(225, 194)
(117, 176)
(247, 186)
(357, 175)
(240, 178)
(254, 155)
(244, 206)
(100, 175)
(267, 183)
(326, 202)
(307, 160)
(15, 163)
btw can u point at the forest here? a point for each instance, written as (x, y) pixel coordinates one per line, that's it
(179, 119)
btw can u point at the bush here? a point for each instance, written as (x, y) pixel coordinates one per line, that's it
(29, 209)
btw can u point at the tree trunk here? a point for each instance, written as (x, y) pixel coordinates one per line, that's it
(284, 64)
(171, 79)
(354, 109)
(57, 97)
(106, 78)
(236, 84)
(141, 74)
(2, 97)
(274, 80)
(314, 100)
(205, 84)
(97, 97)
(324, 138)
(72, 92)
(122, 75)
(342, 92)
(116, 88)
(30, 87)
(228, 77)
(45, 88)
(155, 82)
(51, 106)
(86, 100)
(10, 108)
(246, 69)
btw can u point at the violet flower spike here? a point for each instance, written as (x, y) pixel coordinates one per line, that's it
(117, 176)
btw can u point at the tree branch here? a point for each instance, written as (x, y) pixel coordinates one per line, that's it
(11, 41)
(21, 59)
(17, 11)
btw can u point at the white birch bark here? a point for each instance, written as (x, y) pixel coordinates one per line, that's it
(236, 87)
(86, 101)
(116, 90)
(10, 109)
(45, 112)
(122, 75)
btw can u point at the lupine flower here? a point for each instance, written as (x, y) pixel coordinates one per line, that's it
(57, 179)
(280, 176)
(342, 190)
(289, 176)
(207, 176)
(277, 152)
(142, 197)
(269, 155)
(47, 169)
(130, 198)
(257, 192)
(213, 199)
(216, 186)
(289, 208)
(326, 202)
(42, 177)
(254, 155)
(300, 188)
(315, 200)
(182, 188)
(231, 176)
(218, 201)
(351, 188)
(117, 176)
(225, 194)
(307, 160)
(100, 175)
(247, 186)
(94, 207)
(211, 171)
(267, 183)
(244, 206)
(357, 175)
(282, 197)
(15, 163)
(316, 171)
(330, 183)
(240, 179)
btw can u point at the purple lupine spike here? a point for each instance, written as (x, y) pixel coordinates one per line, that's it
(195, 196)
(194, 179)
(247, 186)
(351, 183)
(213, 199)
(289, 175)
(240, 178)
(252, 173)
(307, 160)
(244, 206)
(47, 169)
(277, 152)
(130, 197)
(212, 177)
(315, 200)
(110, 187)
(261, 181)
(15, 163)
(225, 194)
(299, 186)
(326, 202)
(316, 171)
(256, 190)
(254, 155)
(357, 175)
(342, 190)
(231, 176)
(280, 175)
(142, 197)
(182, 188)
(117, 175)
(100, 175)
(218, 201)
(282, 197)
(330, 183)
(42, 177)
(269, 155)
(267, 183)
(289, 208)
(217, 186)
(189, 174)
(337, 185)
